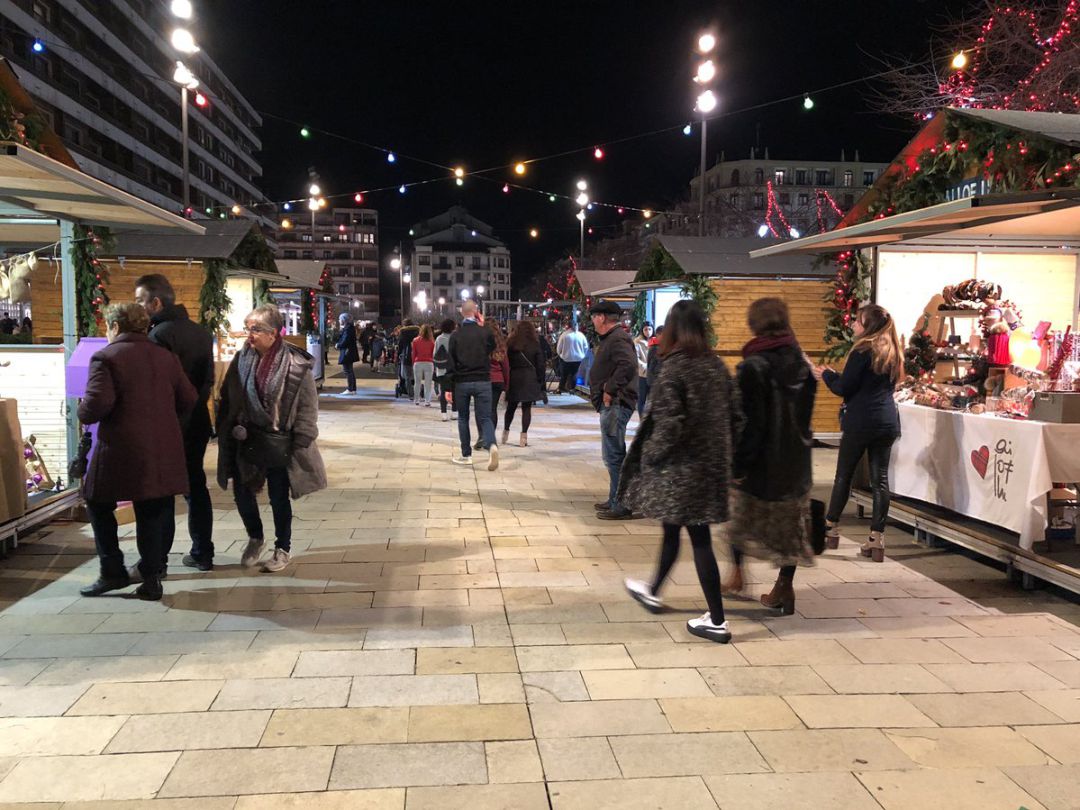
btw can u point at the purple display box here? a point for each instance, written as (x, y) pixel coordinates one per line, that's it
(78, 372)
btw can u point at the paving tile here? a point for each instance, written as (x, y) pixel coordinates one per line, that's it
(500, 687)
(283, 693)
(56, 736)
(686, 754)
(413, 690)
(461, 723)
(1054, 787)
(863, 679)
(967, 747)
(1060, 742)
(17, 672)
(728, 713)
(902, 651)
(859, 711)
(785, 653)
(408, 765)
(329, 663)
(201, 803)
(1065, 703)
(68, 779)
(983, 709)
(107, 670)
(1068, 672)
(614, 633)
(478, 797)
(1006, 650)
(841, 749)
(305, 727)
(223, 666)
(559, 687)
(765, 680)
(958, 789)
(182, 643)
(604, 718)
(656, 656)
(578, 758)
(1019, 626)
(172, 621)
(38, 701)
(266, 620)
(672, 793)
(147, 698)
(251, 770)
(645, 683)
(993, 677)
(792, 791)
(463, 660)
(188, 731)
(383, 799)
(573, 657)
(918, 627)
(72, 646)
(15, 625)
(405, 638)
(513, 761)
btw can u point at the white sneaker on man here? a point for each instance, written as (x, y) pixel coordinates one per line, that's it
(277, 562)
(251, 554)
(446, 417)
(704, 628)
(493, 457)
(463, 460)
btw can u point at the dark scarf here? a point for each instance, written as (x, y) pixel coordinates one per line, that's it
(768, 343)
(264, 366)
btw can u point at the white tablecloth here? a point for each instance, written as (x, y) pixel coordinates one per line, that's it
(986, 467)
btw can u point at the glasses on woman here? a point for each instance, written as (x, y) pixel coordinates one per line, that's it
(256, 329)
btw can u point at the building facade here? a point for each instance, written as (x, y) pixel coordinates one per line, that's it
(455, 253)
(100, 71)
(765, 197)
(347, 241)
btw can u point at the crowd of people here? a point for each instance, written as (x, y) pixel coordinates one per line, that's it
(711, 448)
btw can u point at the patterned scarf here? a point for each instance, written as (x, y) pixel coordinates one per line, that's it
(263, 379)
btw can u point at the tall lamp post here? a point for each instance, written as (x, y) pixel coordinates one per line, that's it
(706, 103)
(583, 203)
(183, 42)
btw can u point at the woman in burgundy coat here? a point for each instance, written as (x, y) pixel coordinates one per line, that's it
(134, 393)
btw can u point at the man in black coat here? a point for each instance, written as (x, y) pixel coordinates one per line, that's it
(193, 344)
(613, 391)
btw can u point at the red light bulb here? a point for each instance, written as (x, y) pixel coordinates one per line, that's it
(598, 153)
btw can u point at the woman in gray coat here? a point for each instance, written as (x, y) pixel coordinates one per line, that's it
(679, 465)
(267, 426)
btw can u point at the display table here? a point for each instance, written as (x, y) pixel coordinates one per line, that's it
(986, 467)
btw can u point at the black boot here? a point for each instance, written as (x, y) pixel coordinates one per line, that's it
(150, 590)
(104, 584)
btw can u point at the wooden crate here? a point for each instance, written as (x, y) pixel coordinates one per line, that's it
(805, 300)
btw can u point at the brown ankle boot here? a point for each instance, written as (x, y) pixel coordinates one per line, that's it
(781, 597)
(874, 547)
(832, 535)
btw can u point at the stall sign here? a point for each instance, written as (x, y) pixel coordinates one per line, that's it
(972, 187)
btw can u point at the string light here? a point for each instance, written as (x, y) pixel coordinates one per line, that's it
(598, 153)
(534, 233)
(38, 46)
(391, 157)
(459, 172)
(305, 132)
(358, 198)
(401, 189)
(200, 100)
(286, 224)
(959, 62)
(506, 188)
(519, 169)
(808, 103)
(687, 130)
(236, 210)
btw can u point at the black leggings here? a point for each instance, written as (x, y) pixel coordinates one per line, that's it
(526, 415)
(704, 560)
(878, 449)
(786, 571)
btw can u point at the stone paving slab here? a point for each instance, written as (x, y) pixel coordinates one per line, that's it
(450, 637)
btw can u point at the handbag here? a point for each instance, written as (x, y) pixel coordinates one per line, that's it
(816, 525)
(266, 450)
(77, 467)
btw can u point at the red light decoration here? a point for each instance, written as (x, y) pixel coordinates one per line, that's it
(598, 153)
(200, 100)
(358, 198)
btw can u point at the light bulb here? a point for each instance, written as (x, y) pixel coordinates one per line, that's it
(200, 100)
(401, 189)
(183, 76)
(358, 197)
(390, 157)
(551, 198)
(460, 181)
(305, 132)
(582, 185)
(646, 213)
(395, 263)
(706, 102)
(706, 72)
(808, 103)
(581, 216)
(38, 46)
(794, 233)
(236, 210)
(506, 188)
(287, 206)
(959, 62)
(706, 42)
(687, 130)
(314, 190)
(286, 224)
(763, 231)
(183, 41)
(598, 153)
(534, 233)
(459, 172)
(181, 9)
(322, 202)
(583, 199)
(519, 168)
(313, 204)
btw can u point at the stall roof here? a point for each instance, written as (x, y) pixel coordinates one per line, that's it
(1019, 218)
(36, 191)
(301, 272)
(593, 280)
(714, 256)
(631, 289)
(220, 241)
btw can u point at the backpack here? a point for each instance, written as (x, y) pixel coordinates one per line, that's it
(442, 355)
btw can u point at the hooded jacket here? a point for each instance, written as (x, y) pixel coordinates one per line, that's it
(773, 441)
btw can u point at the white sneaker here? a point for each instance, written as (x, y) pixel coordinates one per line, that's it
(641, 593)
(493, 458)
(704, 628)
(465, 460)
(427, 404)
(446, 417)
(277, 562)
(251, 553)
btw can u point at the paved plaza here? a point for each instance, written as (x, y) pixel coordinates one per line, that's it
(448, 637)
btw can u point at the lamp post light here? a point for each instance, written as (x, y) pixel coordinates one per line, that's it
(583, 203)
(187, 81)
(706, 103)
(442, 305)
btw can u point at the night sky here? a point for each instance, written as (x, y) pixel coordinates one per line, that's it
(485, 84)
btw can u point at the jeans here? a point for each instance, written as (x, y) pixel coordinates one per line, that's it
(704, 560)
(568, 378)
(613, 421)
(424, 377)
(151, 518)
(878, 449)
(350, 377)
(277, 487)
(480, 394)
(642, 396)
(200, 509)
(526, 415)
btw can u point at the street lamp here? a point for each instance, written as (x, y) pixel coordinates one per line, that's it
(583, 203)
(465, 294)
(706, 103)
(187, 81)
(442, 305)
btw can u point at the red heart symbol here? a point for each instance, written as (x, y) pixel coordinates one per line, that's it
(980, 460)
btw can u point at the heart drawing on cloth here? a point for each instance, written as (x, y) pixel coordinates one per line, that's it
(980, 460)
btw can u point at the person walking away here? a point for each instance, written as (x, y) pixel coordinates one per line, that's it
(772, 467)
(869, 420)
(267, 427)
(572, 349)
(653, 359)
(500, 375)
(678, 465)
(613, 391)
(526, 384)
(366, 336)
(441, 357)
(193, 345)
(378, 350)
(641, 347)
(469, 368)
(409, 332)
(136, 393)
(423, 352)
(347, 352)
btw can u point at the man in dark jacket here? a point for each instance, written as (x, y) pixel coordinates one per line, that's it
(193, 344)
(469, 369)
(408, 333)
(613, 391)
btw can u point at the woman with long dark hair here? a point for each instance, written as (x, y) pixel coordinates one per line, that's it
(526, 386)
(869, 420)
(500, 373)
(678, 467)
(772, 464)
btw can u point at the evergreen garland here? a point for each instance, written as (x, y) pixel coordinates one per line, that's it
(214, 301)
(850, 288)
(91, 278)
(19, 127)
(920, 356)
(701, 292)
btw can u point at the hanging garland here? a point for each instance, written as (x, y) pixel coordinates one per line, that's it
(214, 301)
(19, 127)
(702, 293)
(91, 278)
(850, 288)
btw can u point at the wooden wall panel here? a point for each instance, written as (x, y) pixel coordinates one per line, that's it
(805, 300)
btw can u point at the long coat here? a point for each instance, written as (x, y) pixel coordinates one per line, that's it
(679, 467)
(300, 403)
(135, 393)
(347, 345)
(526, 375)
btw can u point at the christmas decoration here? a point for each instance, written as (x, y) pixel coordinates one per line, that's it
(91, 278)
(214, 301)
(37, 475)
(850, 288)
(920, 356)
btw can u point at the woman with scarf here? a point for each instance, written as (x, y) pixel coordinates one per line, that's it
(772, 469)
(347, 352)
(267, 425)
